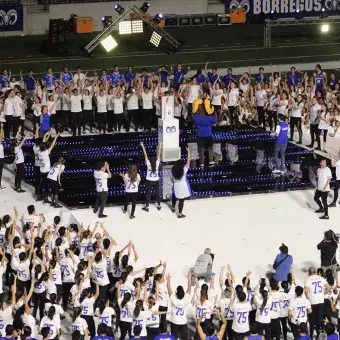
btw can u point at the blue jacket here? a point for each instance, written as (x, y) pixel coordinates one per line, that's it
(283, 269)
(204, 124)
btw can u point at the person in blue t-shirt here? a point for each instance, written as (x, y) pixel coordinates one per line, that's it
(282, 264)
(332, 81)
(27, 333)
(320, 79)
(281, 134)
(137, 330)
(104, 77)
(303, 332)
(261, 77)
(178, 74)
(49, 79)
(330, 330)
(144, 78)
(209, 332)
(10, 332)
(212, 76)
(129, 76)
(292, 77)
(102, 331)
(228, 78)
(30, 84)
(66, 76)
(116, 76)
(6, 76)
(200, 78)
(163, 75)
(163, 333)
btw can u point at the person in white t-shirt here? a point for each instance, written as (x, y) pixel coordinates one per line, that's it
(324, 176)
(147, 103)
(54, 180)
(152, 176)
(296, 117)
(79, 324)
(315, 289)
(101, 175)
(100, 271)
(216, 96)
(19, 161)
(87, 110)
(45, 165)
(2, 153)
(232, 95)
(118, 109)
(261, 100)
(132, 110)
(76, 112)
(52, 322)
(101, 100)
(105, 313)
(179, 300)
(336, 165)
(131, 182)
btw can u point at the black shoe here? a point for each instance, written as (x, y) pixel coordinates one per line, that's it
(132, 217)
(46, 200)
(173, 209)
(39, 198)
(20, 190)
(102, 216)
(145, 209)
(324, 217)
(320, 211)
(310, 145)
(124, 211)
(332, 205)
(299, 142)
(95, 210)
(15, 189)
(181, 216)
(159, 207)
(57, 205)
(52, 204)
(318, 148)
(290, 139)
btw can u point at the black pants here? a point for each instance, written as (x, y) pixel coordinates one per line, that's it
(16, 125)
(110, 121)
(55, 121)
(295, 121)
(77, 118)
(2, 162)
(315, 318)
(229, 333)
(39, 302)
(66, 292)
(266, 327)
(37, 179)
(103, 290)
(19, 174)
(101, 117)
(132, 115)
(149, 186)
(43, 184)
(36, 121)
(125, 328)
(179, 331)
(131, 196)
(314, 134)
(324, 205)
(54, 185)
(272, 120)
(336, 188)
(23, 285)
(87, 119)
(8, 126)
(276, 328)
(295, 330)
(232, 115)
(101, 201)
(240, 336)
(64, 121)
(180, 204)
(325, 132)
(117, 121)
(260, 113)
(163, 316)
(284, 327)
(152, 332)
(90, 324)
(147, 118)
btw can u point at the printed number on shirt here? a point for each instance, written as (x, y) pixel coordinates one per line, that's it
(104, 319)
(54, 277)
(152, 174)
(85, 309)
(52, 171)
(99, 274)
(274, 306)
(228, 313)
(285, 303)
(250, 295)
(302, 312)
(131, 185)
(138, 322)
(21, 273)
(317, 287)
(200, 311)
(242, 317)
(65, 271)
(75, 328)
(124, 313)
(49, 326)
(180, 311)
(264, 311)
(99, 182)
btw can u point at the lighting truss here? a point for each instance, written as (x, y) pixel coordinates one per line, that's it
(125, 16)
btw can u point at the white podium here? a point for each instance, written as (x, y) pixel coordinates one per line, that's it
(168, 131)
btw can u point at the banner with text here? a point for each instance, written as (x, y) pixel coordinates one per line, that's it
(286, 8)
(11, 18)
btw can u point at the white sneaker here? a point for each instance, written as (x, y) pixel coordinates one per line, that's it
(276, 171)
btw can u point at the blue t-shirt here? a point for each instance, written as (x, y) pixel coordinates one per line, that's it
(66, 77)
(3, 79)
(332, 83)
(146, 79)
(49, 80)
(163, 77)
(304, 337)
(283, 269)
(319, 81)
(45, 122)
(164, 337)
(333, 336)
(292, 79)
(103, 78)
(255, 337)
(116, 77)
(212, 77)
(178, 76)
(129, 77)
(102, 337)
(261, 79)
(282, 138)
(29, 81)
(200, 78)
(228, 78)
(204, 124)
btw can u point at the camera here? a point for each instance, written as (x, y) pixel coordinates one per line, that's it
(330, 235)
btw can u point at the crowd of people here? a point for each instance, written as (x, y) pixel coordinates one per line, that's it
(53, 271)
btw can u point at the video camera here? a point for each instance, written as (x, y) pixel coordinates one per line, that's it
(330, 235)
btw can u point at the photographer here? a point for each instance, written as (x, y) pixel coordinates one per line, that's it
(328, 247)
(203, 265)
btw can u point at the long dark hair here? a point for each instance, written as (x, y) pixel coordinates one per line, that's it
(138, 309)
(204, 293)
(51, 312)
(180, 292)
(177, 170)
(116, 258)
(264, 294)
(126, 299)
(101, 305)
(152, 161)
(76, 313)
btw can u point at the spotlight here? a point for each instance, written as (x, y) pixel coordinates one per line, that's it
(137, 26)
(158, 17)
(323, 14)
(109, 43)
(155, 39)
(125, 27)
(107, 21)
(324, 28)
(119, 9)
(299, 14)
(145, 7)
(273, 15)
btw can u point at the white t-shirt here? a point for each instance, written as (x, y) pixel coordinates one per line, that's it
(79, 324)
(66, 105)
(45, 162)
(299, 307)
(152, 176)
(275, 306)
(285, 301)
(106, 316)
(316, 285)
(132, 102)
(53, 174)
(193, 93)
(241, 317)
(216, 97)
(53, 325)
(87, 100)
(232, 97)
(131, 186)
(87, 306)
(261, 96)
(76, 103)
(36, 151)
(9, 107)
(29, 320)
(101, 180)
(2, 153)
(297, 111)
(262, 314)
(56, 274)
(118, 106)
(101, 273)
(22, 268)
(178, 312)
(19, 155)
(6, 318)
(282, 106)
(67, 269)
(224, 305)
(323, 175)
(141, 321)
(101, 104)
(147, 100)
(337, 170)
(125, 314)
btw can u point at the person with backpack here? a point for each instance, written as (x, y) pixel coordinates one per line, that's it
(282, 264)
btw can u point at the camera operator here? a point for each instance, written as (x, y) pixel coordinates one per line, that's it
(328, 247)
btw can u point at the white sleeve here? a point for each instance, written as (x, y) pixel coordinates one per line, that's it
(278, 129)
